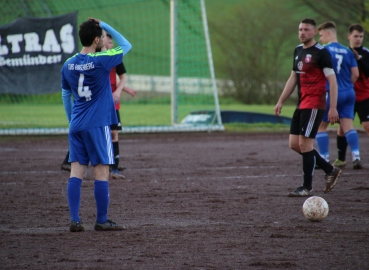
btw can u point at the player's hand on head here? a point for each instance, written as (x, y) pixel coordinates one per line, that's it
(96, 20)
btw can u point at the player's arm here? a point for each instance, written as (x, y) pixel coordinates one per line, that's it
(118, 91)
(287, 91)
(122, 87)
(129, 90)
(333, 94)
(121, 41)
(354, 74)
(325, 62)
(121, 72)
(67, 101)
(354, 65)
(66, 95)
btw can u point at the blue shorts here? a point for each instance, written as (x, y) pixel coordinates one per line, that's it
(91, 145)
(345, 105)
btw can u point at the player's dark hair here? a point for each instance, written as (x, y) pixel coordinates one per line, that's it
(327, 25)
(309, 21)
(356, 26)
(88, 31)
(108, 35)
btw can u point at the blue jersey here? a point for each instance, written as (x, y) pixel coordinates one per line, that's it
(343, 60)
(87, 76)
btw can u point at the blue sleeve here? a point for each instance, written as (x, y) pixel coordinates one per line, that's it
(67, 101)
(121, 41)
(64, 83)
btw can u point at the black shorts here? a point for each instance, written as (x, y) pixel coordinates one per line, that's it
(362, 110)
(306, 122)
(117, 126)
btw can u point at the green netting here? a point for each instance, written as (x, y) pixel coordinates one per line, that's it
(146, 24)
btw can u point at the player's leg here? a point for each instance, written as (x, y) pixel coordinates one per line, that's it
(322, 138)
(79, 161)
(294, 143)
(101, 192)
(310, 120)
(120, 167)
(347, 124)
(352, 140)
(66, 165)
(308, 161)
(299, 145)
(362, 109)
(366, 126)
(100, 152)
(341, 148)
(115, 139)
(311, 158)
(295, 131)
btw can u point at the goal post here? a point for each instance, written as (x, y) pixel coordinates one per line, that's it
(173, 60)
(170, 66)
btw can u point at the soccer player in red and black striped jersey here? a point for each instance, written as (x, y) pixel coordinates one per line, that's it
(117, 88)
(312, 66)
(361, 87)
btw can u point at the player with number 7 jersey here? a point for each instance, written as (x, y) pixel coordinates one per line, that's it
(346, 69)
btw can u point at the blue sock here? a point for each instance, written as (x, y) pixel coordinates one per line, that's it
(322, 140)
(353, 141)
(74, 197)
(102, 200)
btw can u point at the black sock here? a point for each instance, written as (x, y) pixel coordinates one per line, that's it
(66, 159)
(322, 163)
(308, 165)
(116, 155)
(341, 147)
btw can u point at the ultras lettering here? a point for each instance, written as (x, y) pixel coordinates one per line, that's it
(31, 42)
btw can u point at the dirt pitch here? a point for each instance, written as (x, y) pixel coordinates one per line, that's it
(190, 201)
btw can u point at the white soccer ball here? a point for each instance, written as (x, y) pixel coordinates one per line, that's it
(315, 208)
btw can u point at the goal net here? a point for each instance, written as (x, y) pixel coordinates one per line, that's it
(170, 66)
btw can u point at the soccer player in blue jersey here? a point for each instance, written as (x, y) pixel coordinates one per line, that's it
(86, 75)
(361, 87)
(347, 72)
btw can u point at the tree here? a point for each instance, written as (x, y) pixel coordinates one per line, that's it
(256, 44)
(342, 12)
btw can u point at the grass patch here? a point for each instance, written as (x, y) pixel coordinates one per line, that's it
(260, 127)
(53, 116)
